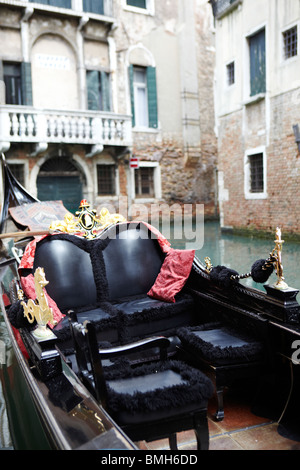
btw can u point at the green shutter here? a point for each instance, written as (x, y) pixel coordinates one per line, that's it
(257, 63)
(131, 93)
(105, 86)
(93, 87)
(93, 6)
(26, 83)
(61, 3)
(54, 3)
(152, 96)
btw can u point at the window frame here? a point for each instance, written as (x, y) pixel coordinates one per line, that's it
(283, 53)
(151, 97)
(247, 173)
(113, 180)
(15, 77)
(156, 182)
(140, 85)
(229, 83)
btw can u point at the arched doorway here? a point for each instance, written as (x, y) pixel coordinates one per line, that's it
(60, 180)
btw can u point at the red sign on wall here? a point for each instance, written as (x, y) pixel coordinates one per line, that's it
(134, 162)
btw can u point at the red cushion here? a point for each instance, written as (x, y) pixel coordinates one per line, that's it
(173, 275)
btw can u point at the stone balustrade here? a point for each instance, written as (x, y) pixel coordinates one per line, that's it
(30, 125)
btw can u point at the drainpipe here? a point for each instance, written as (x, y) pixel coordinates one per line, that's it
(82, 79)
(28, 12)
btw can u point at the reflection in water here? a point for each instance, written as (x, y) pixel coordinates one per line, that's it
(240, 252)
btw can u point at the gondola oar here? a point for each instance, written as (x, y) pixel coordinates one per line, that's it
(25, 233)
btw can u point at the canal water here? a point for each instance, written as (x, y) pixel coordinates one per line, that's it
(240, 252)
(235, 252)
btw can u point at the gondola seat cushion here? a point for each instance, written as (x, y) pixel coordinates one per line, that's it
(107, 281)
(219, 345)
(132, 401)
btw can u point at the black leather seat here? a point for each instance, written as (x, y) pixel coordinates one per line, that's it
(149, 401)
(106, 281)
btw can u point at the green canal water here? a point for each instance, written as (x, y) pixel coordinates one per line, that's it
(240, 252)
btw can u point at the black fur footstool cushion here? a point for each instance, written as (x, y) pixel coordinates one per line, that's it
(219, 344)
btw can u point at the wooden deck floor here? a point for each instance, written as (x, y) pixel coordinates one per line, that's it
(241, 429)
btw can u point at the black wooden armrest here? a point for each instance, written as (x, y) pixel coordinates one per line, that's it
(142, 345)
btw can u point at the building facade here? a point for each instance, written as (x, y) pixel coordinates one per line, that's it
(86, 86)
(257, 113)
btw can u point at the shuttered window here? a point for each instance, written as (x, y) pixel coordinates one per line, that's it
(93, 6)
(12, 80)
(18, 85)
(98, 90)
(55, 3)
(257, 63)
(26, 83)
(143, 96)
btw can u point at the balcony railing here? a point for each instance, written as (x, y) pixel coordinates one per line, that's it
(25, 124)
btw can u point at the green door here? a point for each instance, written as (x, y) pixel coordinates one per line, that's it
(61, 188)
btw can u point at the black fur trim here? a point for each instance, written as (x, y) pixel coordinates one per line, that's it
(17, 318)
(253, 350)
(221, 275)
(260, 272)
(196, 388)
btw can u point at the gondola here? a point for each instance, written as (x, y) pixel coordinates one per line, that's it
(113, 336)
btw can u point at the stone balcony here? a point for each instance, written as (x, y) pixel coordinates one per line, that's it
(20, 124)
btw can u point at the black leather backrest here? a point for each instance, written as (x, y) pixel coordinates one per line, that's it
(132, 260)
(69, 271)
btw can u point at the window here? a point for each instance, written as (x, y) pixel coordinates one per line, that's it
(230, 73)
(106, 179)
(98, 90)
(93, 6)
(17, 79)
(137, 3)
(143, 96)
(140, 97)
(257, 63)
(13, 83)
(18, 170)
(55, 3)
(290, 42)
(144, 182)
(255, 174)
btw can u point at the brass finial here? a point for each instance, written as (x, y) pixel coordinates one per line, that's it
(39, 310)
(208, 264)
(280, 283)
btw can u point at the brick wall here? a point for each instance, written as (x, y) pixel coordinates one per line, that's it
(282, 205)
